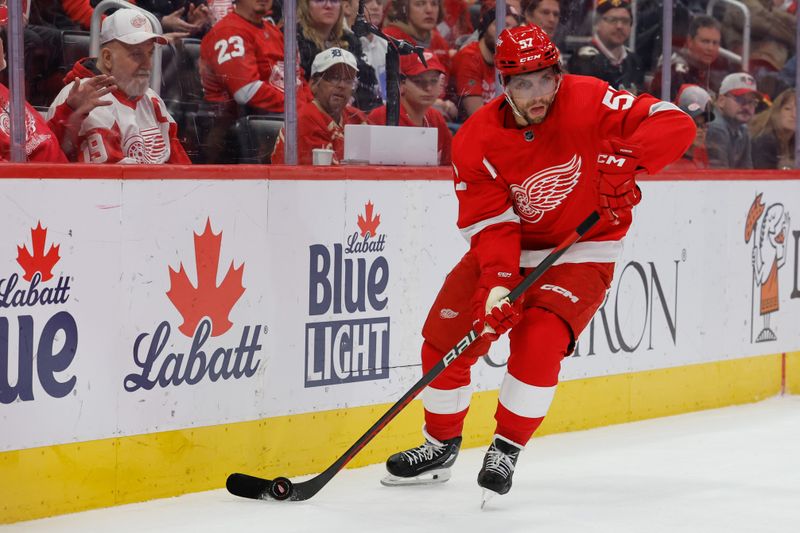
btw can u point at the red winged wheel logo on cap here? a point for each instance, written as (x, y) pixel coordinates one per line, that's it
(545, 190)
(207, 299)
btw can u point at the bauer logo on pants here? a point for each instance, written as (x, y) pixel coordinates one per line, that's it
(346, 342)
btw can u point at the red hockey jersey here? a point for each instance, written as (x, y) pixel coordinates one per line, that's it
(521, 191)
(130, 131)
(316, 129)
(471, 75)
(41, 144)
(437, 45)
(244, 62)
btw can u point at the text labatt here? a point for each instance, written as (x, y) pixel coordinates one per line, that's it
(174, 369)
(56, 346)
(350, 280)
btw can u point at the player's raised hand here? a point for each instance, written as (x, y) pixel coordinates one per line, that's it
(617, 165)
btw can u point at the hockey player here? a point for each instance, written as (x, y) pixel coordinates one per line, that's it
(528, 167)
(135, 127)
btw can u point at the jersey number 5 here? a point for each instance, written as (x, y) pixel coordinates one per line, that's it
(237, 45)
(618, 101)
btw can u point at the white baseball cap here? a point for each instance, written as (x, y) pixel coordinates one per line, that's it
(129, 26)
(739, 83)
(330, 57)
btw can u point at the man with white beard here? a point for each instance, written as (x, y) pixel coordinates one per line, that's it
(136, 127)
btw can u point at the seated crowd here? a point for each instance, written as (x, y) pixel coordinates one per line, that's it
(223, 61)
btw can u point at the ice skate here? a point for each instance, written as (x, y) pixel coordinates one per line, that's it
(424, 465)
(498, 468)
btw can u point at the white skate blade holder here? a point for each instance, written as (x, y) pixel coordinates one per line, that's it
(431, 477)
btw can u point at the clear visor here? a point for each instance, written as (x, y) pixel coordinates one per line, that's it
(533, 85)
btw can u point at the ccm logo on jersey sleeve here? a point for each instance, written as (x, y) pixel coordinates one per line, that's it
(560, 290)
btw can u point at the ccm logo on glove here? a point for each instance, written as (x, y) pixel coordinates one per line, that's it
(611, 159)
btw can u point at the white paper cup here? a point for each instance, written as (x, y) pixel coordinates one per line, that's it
(322, 156)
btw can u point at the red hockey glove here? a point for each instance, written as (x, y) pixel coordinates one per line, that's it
(616, 166)
(494, 313)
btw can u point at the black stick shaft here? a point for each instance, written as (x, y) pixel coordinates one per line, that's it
(450, 356)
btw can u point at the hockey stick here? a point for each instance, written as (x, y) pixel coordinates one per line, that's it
(282, 488)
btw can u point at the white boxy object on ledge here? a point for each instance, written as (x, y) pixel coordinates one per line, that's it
(390, 145)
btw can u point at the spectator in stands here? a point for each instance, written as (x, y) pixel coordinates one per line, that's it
(350, 11)
(607, 57)
(320, 123)
(695, 102)
(418, 91)
(773, 133)
(374, 47)
(773, 24)
(699, 63)
(41, 145)
(321, 25)
(48, 142)
(544, 13)
(472, 80)
(728, 140)
(42, 55)
(241, 62)
(135, 127)
(180, 16)
(456, 24)
(415, 21)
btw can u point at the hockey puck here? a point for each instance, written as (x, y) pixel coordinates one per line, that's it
(281, 488)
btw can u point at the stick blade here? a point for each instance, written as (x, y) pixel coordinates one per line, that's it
(245, 486)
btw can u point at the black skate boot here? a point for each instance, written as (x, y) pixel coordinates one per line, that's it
(498, 467)
(423, 465)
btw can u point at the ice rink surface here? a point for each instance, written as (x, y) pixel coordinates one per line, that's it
(727, 470)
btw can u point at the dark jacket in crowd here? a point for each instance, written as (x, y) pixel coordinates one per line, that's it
(592, 61)
(728, 144)
(765, 152)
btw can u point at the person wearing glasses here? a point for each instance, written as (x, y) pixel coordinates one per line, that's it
(419, 88)
(607, 57)
(728, 139)
(320, 123)
(320, 25)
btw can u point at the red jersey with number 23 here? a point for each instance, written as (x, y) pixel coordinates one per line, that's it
(243, 61)
(522, 191)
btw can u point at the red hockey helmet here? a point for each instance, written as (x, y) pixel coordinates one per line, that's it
(524, 49)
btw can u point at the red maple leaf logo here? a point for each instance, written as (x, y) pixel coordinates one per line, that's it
(38, 261)
(206, 300)
(370, 223)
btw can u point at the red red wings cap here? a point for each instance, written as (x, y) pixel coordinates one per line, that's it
(410, 65)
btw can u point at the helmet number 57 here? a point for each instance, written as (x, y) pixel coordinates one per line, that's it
(524, 44)
(618, 101)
